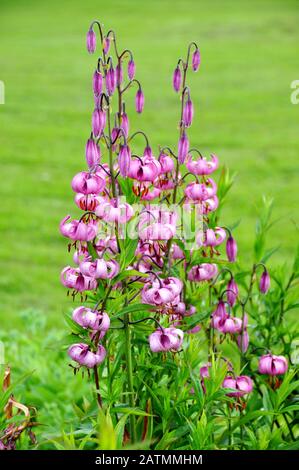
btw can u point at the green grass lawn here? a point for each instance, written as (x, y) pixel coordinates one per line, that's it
(242, 108)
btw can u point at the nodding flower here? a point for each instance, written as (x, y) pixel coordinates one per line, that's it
(203, 272)
(231, 249)
(177, 79)
(188, 113)
(144, 169)
(93, 319)
(78, 230)
(88, 183)
(99, 269)
(124, 160)
(162, 291)
(183, 147)
(92, 153)
(131, 69)
(211, 237)
(115, 211)
(81, 354)
(201, 191)
(151, 194)
(139, 100)
(242, 384)
(265, 282)
(202, 166)
(74, 279)
(87, 202)
(166, 339)
(196, 60)
(166, 162)
(91, 41)
(232, 292)
(181, 309)
(97, 83)
(273, 365)
(210, 205)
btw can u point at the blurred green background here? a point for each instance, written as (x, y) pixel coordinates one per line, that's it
(242, 109)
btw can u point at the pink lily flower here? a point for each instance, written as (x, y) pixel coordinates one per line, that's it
(79, 231)
(93, 319)
(81, 353)
(273, 365)
(166, 339)
(99, 269)
(242, 384)
(203, 272)
(74, 279)
(202, 166)
(88, 183)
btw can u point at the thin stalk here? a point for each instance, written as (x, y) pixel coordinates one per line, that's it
(129, 364)
(97, 384)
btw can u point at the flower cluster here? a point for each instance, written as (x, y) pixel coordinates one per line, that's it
(154, 193)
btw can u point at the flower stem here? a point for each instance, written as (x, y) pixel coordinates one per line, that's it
(128, 349)
(97, 383)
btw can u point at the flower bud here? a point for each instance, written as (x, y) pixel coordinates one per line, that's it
(106, 45)
(124, 123)
(196, 60)
(124, 159)
(139, 101)
(183, 148)
(91, 41)
(177, 78)
(119, 74)
(131, 69)
(110, 81)
(232, 292)
(97, 82)
(92, 152)
(188, 113)
(231, 249)
(265, 282)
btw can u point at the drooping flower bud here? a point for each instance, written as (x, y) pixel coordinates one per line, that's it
(188, 113)
(119, 74)
(177, 78)
(232, 292)
(273, 365)
(183, 148)
(106, 45)
(139, 101)
(91, 41)
(124, 160)
(196, 60)
(231, 249)
(131, 69)
(97, 83)
(95, 123)
(110, 81)
(92, 152)
(124, 123)
(265, 282)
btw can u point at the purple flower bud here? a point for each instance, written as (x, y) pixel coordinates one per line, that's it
(243, 341)
(131, 69)
(124, 159)
(265, 282)
(177, 78)
(124, 123)
(110, 81)
(139, 101)
(95, 123)
(102, 119)
(119, 74)
(92, 152)
(196, 60)
(231, 249)
(97, 83)
(91, 41)
(188, 113)
(106, 45)
(232, 292)
(183, 148)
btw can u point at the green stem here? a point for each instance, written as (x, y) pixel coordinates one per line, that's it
(128, 348)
